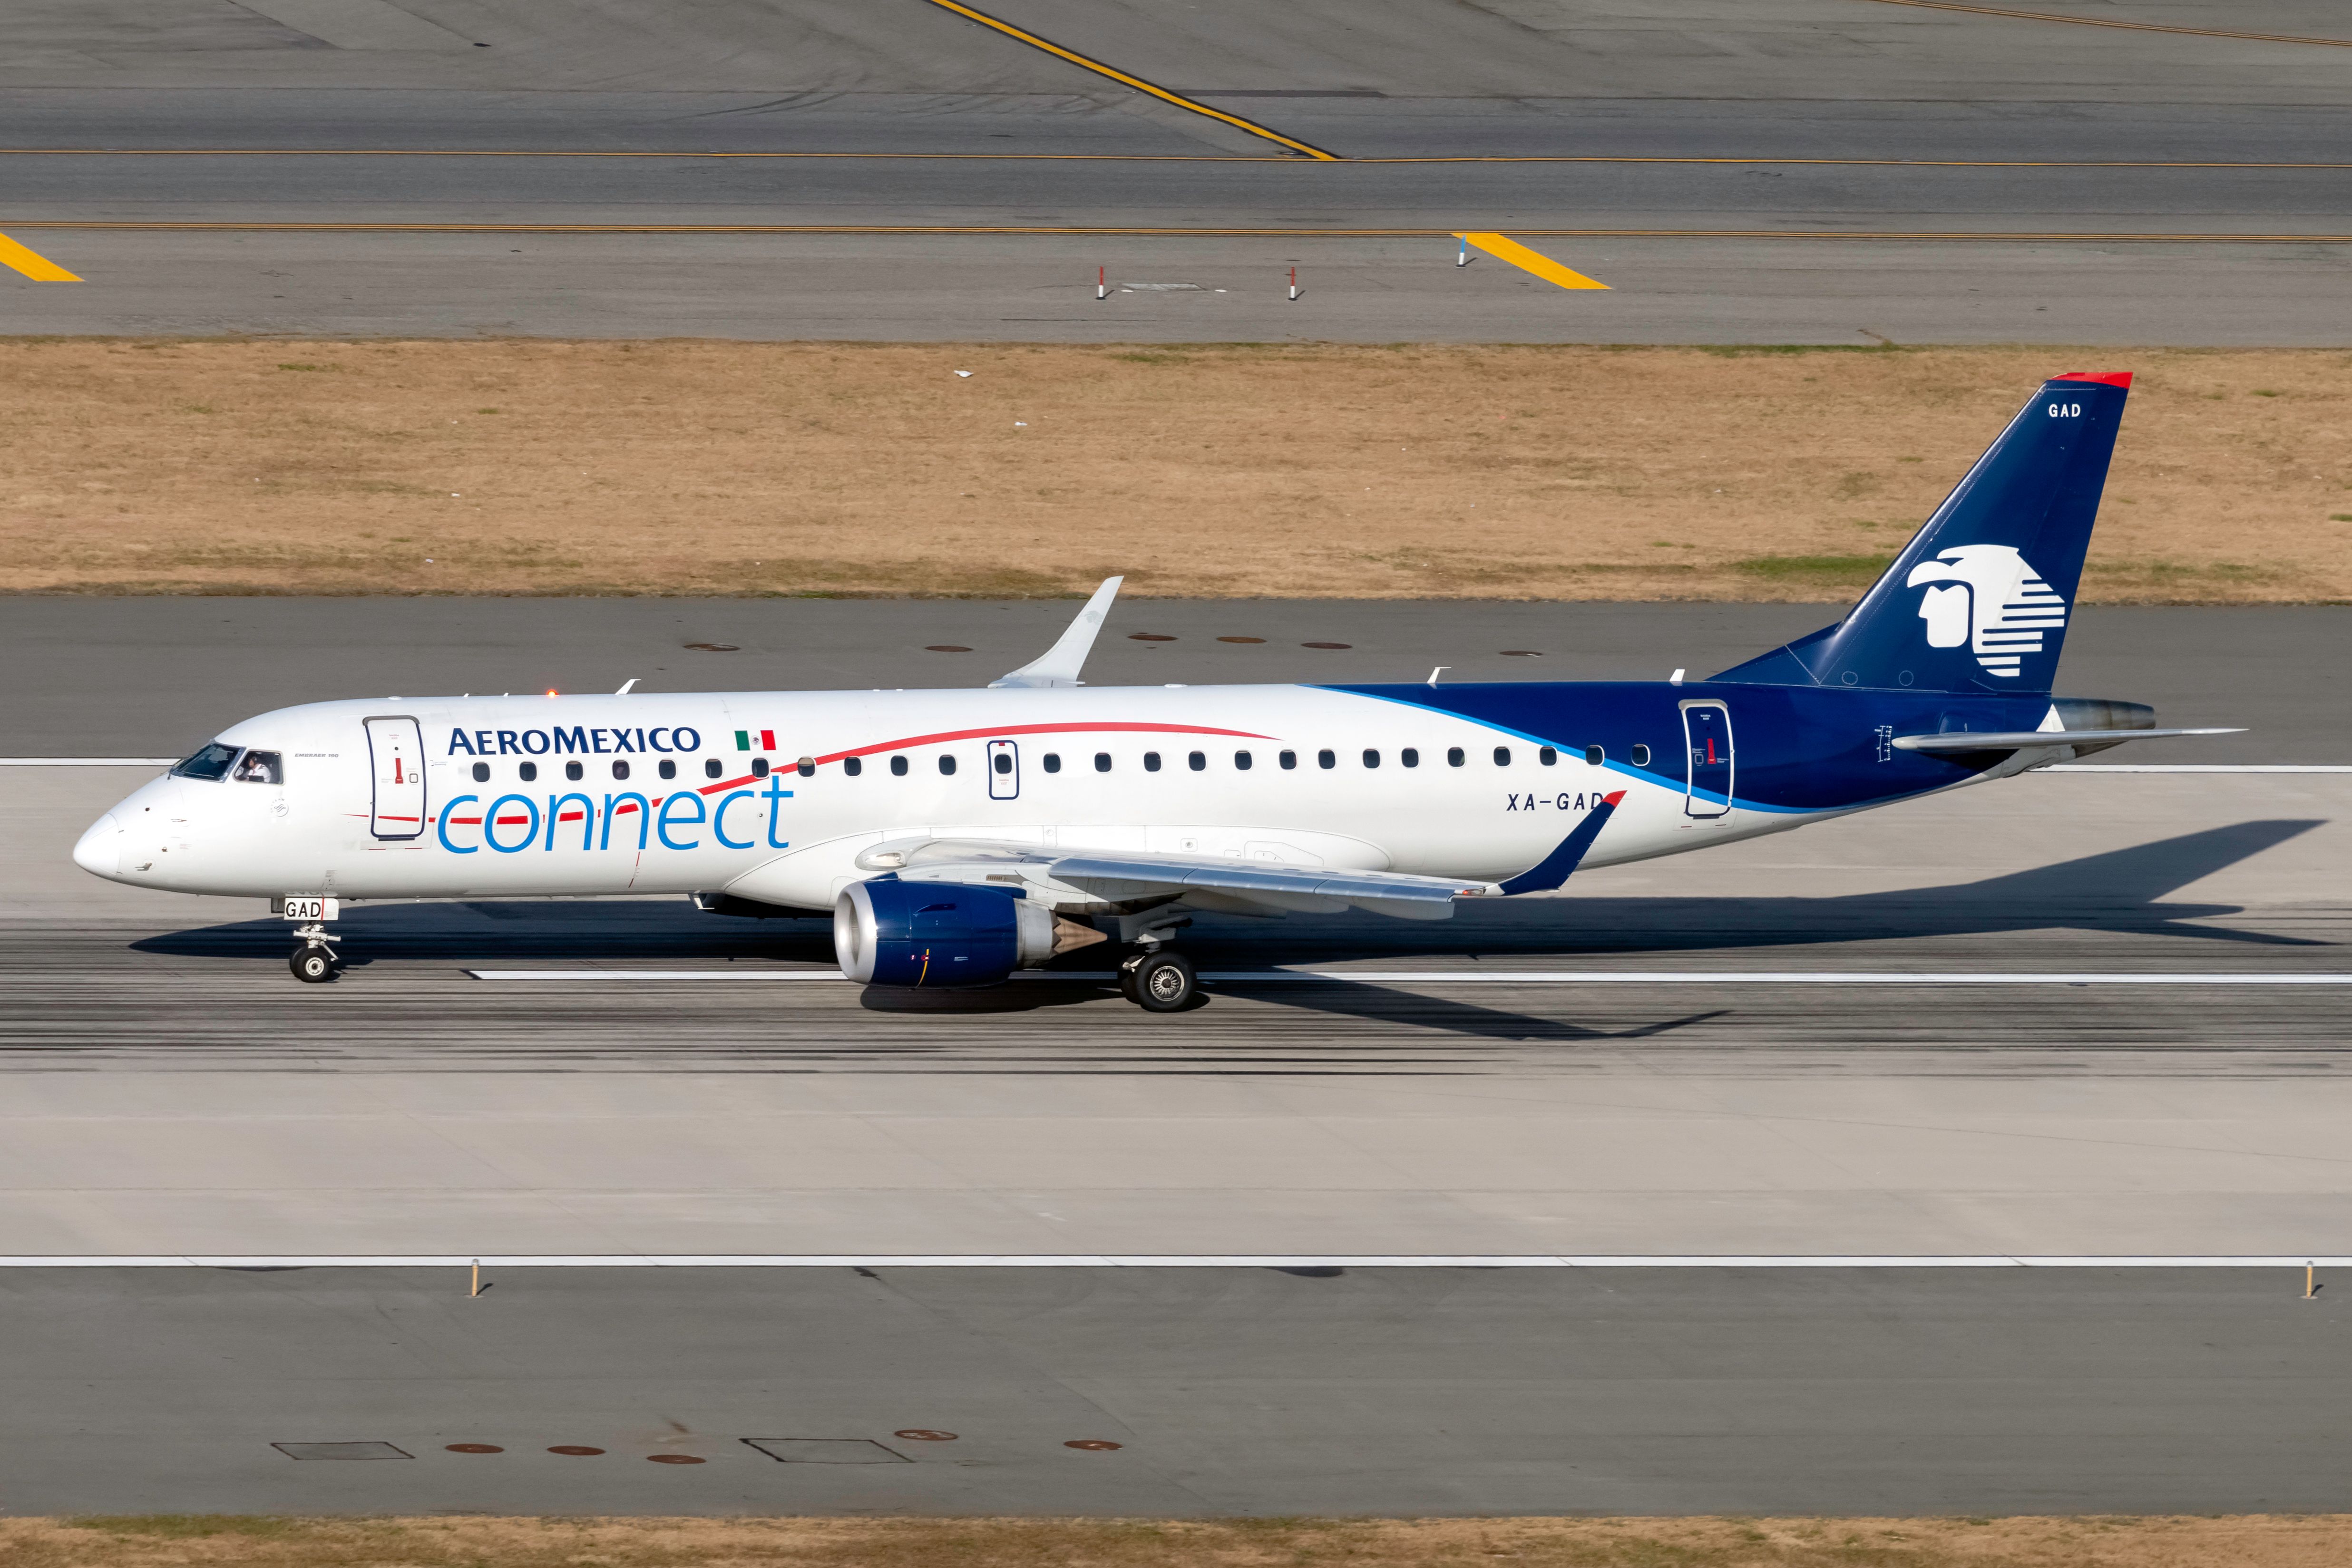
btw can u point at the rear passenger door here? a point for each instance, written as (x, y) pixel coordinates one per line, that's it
(1707, 732)
(396, 754)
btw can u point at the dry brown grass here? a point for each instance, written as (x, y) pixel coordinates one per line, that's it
(220, 1541)
(706, 467)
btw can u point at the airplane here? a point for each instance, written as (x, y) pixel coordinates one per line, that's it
(956, 836)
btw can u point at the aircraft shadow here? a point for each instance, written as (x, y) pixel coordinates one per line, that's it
(2118, 892)
(1330, 997)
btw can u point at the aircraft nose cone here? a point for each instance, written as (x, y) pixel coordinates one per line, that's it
(100, 851)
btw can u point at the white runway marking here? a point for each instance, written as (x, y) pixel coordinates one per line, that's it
(2193, 768)
(1528, 976)
(1177, 1260)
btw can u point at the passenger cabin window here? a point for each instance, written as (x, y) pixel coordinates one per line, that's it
(1326, 760)
(1596, 755)
(1102, 761)
(1502, 757)
(946, 763)
(1150, 762)
(1004, 763)
(211, 763)
(805, 767)
(1547, 755)
(711, 767)
(853, 765)
(1288, 760)
(1196, 760)
(1053, 762)
(758, 768)
(261, 768)
(1241, 761)
(526, 771)
(1453, 757)
(620, 769)
(1408, 758)
(899, 766)
(1371, 757)
(1640, 757)
(668, 769)
(481, 772)
(573, 771)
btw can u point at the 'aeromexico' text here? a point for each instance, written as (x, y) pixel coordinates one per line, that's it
(579, 740)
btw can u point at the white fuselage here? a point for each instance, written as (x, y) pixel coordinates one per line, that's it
(498, 813)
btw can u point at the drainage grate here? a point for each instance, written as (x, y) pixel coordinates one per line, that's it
(827, 1451)
(340, 1451)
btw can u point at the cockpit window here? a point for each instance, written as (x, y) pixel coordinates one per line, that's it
(260, 767)
(211, 762)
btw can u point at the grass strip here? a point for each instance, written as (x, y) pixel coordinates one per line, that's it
(692, 467)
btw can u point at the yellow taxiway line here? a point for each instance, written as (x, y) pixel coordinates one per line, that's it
(32, 264)
(1502, 248)
(1161, 157)
(1993, 236)
(1138, 83)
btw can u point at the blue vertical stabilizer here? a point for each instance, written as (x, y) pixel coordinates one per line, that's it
(1978, 599)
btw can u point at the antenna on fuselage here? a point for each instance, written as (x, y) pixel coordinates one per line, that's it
(1062, 661)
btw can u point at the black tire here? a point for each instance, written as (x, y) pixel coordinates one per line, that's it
(1165, 983)
(312, 966)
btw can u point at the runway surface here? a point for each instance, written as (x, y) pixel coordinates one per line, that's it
(347, 166)
(173, 1091)
(1227, 1392)
(176, 1093)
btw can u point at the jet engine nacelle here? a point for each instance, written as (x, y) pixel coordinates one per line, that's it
(887, 932)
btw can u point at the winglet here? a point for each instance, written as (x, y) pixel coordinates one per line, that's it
(1062, 661)
(1558, 865)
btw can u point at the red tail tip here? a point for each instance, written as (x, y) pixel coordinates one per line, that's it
(1613, 800)
(2105, 377)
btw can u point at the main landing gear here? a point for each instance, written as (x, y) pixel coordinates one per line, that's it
(1159, 980)
(315, 962)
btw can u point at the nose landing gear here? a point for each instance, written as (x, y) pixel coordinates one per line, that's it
(315, 962)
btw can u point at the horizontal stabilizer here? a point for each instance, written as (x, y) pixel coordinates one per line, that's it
(2020, 739)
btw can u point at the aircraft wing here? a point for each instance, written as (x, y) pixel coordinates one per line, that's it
(1059, 665)
(1124, 876)
(2021, 739)
(1215, 881)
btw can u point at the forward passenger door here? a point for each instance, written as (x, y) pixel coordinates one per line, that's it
(397, 753)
